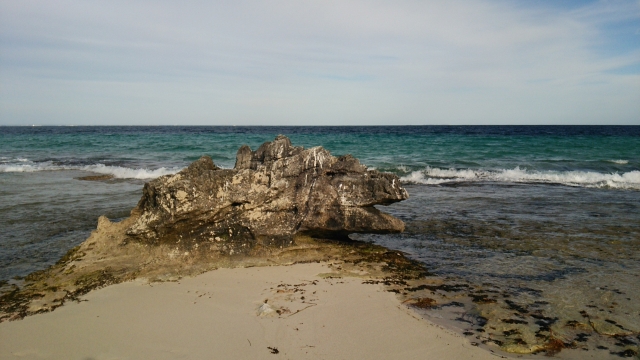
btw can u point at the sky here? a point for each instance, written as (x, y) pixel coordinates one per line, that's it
(312, 62)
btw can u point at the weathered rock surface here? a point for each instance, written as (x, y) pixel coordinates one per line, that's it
(264, 212)
(272, 194)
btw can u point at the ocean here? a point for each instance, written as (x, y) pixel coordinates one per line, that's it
(547, 214)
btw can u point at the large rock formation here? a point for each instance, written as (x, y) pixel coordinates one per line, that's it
(266, 211)
(272, 194)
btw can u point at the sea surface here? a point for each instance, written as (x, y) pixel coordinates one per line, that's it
(549, 213)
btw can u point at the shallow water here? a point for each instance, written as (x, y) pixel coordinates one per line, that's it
(547, 217)
(44, 214)
(552, 250)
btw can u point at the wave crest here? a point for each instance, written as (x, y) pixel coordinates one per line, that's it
(434, 176)
(128, 173)
(620, 162)
(118, 172)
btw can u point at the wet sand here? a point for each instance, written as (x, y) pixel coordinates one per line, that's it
(222, 314)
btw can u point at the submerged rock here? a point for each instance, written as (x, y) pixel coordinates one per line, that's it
(96, 177)
(272, 194)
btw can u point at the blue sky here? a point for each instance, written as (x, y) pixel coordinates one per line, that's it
(319, 62)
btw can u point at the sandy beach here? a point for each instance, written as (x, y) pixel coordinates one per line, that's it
(221, 315)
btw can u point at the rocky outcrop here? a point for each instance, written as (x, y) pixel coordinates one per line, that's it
(280, 205)
(272, 194)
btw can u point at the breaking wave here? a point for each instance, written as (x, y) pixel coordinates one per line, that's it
(119, 172)
(434, 176)
(620, 162)
(128, 173)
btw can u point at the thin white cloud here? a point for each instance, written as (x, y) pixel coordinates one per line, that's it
(330, 62)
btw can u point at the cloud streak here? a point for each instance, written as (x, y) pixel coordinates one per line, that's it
(315, 63)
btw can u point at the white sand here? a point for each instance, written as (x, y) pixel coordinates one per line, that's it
(214, 316)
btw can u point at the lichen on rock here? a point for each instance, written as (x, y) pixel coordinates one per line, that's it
(272, 194)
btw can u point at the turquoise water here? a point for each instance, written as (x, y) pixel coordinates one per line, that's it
(38, 167)
(545, 214)
(582, 156)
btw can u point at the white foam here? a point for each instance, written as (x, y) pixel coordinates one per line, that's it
(128, 173)
(431, 176)
(118, 172)
(13, 167)
(621, 162)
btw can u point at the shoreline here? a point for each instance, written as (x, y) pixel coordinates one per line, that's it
(217, 314)
(401, 287)
(503, 283)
